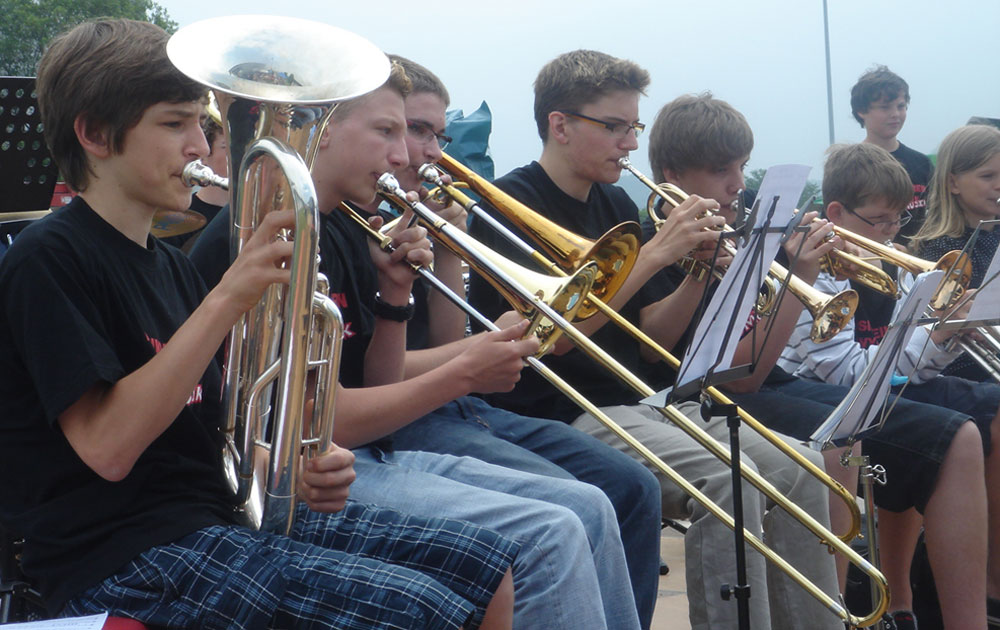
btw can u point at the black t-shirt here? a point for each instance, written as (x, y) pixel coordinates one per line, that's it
(210, 253)
(981, 256)
(84, 305)
(874, 312)
(918, 167)
(606, 207)
(347, 264)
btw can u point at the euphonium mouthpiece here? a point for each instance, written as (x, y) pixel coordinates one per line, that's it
(197, 174)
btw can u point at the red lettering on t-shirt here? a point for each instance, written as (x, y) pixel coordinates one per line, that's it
(339, 299)
(196, 395)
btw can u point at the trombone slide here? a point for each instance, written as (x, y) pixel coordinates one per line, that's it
(466, 247)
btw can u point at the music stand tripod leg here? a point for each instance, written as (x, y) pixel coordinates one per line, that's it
(741, 590)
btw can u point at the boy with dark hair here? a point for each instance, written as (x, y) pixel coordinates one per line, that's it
(110, 445)
(879, 102)
(586, 108)
(571, 550)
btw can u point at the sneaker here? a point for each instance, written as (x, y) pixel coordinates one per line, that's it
(992, 613)
(904, 620)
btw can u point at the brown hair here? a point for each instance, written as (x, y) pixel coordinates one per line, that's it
(697, 131)
(398, 82)
(577, 78)
(963, 150)
(211, 130)
(422, 79)
(110, 72)
(875, 85)
(856, 174)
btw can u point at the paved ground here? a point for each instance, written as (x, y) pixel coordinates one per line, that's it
(671, 605)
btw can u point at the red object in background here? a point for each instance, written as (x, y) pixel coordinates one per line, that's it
(122, 623)
(61, 195)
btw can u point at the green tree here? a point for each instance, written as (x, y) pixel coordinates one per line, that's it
(756, 176)
(28, 25)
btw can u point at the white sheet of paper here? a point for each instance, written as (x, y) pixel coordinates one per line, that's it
(854, 415)
(710, 344)
(91, 622)
(986, 306)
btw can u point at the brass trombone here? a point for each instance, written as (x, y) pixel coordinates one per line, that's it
(467, 248)
(530, 221)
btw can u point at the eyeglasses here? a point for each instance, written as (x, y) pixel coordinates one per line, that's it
(617, 129)
(903, 219)
(423, 132)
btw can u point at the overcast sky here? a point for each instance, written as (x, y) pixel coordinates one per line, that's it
(765, 57)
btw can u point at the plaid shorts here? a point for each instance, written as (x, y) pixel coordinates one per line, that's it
(365, 567)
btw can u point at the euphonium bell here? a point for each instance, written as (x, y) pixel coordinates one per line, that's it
(274, 102)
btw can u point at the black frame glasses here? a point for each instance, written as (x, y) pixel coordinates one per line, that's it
(619, 129)
(903, 219)
(424, 133)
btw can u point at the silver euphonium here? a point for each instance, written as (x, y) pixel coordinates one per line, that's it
(277, 81)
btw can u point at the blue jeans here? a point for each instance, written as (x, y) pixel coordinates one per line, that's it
(570, 572)
(471, 427)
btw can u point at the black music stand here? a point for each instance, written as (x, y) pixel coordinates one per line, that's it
(27, 172)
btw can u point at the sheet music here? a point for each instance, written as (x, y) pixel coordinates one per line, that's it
(92, 622)
(986, 305)
(709, 350)
(861, 410)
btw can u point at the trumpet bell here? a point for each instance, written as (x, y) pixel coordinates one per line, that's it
(830, 317)
(958, 274)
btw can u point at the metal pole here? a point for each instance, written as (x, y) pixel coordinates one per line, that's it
(829, 75)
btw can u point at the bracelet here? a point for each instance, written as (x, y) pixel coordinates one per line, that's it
(384, 310)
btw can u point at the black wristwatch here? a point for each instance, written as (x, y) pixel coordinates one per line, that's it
(391, 312)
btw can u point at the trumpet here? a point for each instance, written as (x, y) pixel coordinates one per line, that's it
(475, 253)
(272, 110)
(957, 267)
(830, 313)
